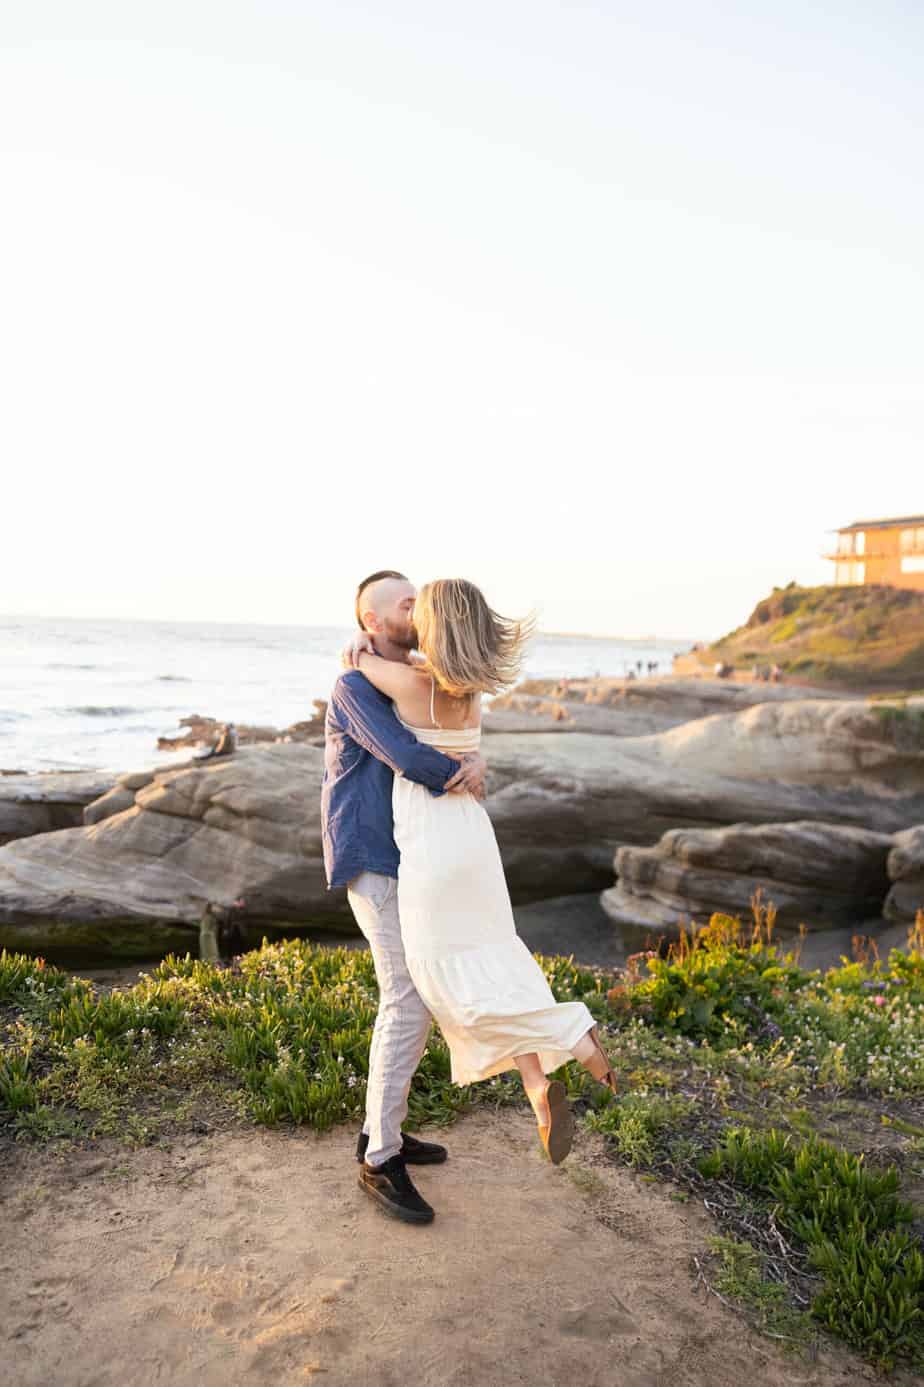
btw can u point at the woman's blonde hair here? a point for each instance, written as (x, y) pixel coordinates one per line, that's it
(468, 648)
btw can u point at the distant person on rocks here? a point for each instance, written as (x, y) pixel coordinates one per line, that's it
(460, 952)
(225, 746)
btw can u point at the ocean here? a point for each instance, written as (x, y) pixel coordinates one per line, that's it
(96, 694)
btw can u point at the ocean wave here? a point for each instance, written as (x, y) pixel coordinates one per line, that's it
(67, 664)
(97, 710)
(174, 678)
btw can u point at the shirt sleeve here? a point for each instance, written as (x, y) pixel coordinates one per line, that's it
(368, 717)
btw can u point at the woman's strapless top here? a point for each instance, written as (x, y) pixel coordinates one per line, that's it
(450, 740)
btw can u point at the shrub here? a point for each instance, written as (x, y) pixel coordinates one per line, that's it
(715, 984)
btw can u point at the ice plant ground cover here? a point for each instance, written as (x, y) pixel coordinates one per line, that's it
(790, 1102)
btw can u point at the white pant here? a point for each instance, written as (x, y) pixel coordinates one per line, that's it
(402, 1025)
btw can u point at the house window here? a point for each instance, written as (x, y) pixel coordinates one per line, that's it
(913, 563)
(860, 545)
(849, 573)
(845, 544)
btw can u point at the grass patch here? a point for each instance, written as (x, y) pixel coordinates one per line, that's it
(854, 1226)
(741, 1274)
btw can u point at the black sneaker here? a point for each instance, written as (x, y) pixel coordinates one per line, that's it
(391, 1185)
(414, 1151)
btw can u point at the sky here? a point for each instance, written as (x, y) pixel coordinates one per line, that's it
(616, 309)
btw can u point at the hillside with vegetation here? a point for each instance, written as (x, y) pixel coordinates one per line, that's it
(869, 637)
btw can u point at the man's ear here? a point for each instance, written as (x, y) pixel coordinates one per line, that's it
(370, 622)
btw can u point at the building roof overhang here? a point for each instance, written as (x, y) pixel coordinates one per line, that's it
(879, 524)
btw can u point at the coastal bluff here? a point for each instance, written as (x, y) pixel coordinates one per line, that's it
(158, 846)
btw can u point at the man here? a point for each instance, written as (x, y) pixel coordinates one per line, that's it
(366, 744)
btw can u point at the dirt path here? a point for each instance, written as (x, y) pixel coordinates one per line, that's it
(253, 1257)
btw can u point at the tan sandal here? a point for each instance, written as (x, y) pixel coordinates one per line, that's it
(598, 1066)
(556, 1134)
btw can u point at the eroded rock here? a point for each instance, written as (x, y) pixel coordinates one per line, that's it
(818, 874)
(249, 826)
(906, 873)
(44, 802)
(630, 707)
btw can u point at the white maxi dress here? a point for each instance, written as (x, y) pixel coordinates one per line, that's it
(475, 975)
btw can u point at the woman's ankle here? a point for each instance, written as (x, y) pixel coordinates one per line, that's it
(537, 1100)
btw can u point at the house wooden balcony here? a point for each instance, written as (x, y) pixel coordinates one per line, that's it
(874, 554)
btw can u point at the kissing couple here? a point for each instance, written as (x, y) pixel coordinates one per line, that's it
(405, 830)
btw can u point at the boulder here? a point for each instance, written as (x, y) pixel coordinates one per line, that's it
(560, 804)
(818, 874)
(805, 741)
(906, 872)
(244, 827)
(47, 801)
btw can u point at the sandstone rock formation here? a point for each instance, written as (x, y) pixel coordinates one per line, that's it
(559, 804)
(47, 801)
(205, 731)
(814, 873)
(906, 872)
(249, 826)
(245, 827)
(629, 707)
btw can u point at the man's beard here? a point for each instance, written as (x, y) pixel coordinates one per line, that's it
(403, 633)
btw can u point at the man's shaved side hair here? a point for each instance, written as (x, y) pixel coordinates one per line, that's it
(367, 582)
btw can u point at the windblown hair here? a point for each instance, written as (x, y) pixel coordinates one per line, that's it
(468, 648)
(367, 582)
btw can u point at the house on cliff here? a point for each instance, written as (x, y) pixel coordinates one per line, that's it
(881, 551)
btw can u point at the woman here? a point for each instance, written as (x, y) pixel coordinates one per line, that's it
(487, 993)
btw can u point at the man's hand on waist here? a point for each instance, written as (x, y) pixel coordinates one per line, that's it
(469, 779)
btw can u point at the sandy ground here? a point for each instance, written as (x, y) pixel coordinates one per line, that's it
(253, 1257)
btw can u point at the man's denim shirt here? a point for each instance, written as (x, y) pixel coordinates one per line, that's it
(366, 744)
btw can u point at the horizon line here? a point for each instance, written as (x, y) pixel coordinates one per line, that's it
(333, 626)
